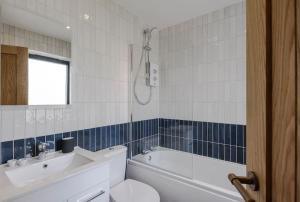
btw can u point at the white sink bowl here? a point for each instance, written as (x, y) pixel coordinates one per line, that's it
(40, 169)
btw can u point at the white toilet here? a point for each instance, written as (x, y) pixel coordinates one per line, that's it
(122, 190)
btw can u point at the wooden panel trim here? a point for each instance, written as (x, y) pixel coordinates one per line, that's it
(21, 74)
(259, 80)
(297, 10)
(283, 101)
(8, 79)
(9, 49)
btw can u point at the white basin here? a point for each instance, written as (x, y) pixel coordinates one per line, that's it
(41, 169)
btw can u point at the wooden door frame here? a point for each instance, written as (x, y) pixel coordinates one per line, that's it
(297, 99)
(258, 94)
(284, 106)
(272, 98)
(297, 8)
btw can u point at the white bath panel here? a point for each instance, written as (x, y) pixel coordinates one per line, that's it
(181, 176)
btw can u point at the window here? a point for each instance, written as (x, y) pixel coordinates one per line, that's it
(48, 81)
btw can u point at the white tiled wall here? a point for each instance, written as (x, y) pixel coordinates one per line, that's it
(100, 75)
(202, 64)
(203, 71)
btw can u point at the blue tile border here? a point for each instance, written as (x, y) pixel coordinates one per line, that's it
(216, 140)
(19, 149)
(92, 139)
(7, 151)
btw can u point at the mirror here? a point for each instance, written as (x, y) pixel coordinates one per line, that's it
(35, 56)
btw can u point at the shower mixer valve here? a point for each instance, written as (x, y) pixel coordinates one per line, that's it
(153, 75)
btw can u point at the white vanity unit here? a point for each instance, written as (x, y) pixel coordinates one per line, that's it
(80, 176)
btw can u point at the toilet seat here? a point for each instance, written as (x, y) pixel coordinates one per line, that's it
(134, 191)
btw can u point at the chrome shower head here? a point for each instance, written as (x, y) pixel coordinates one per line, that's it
(152, 29)
(149, 30)
(147, 38)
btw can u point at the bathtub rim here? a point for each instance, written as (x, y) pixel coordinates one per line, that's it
(140, 158)
(212, 189)
(159, 148)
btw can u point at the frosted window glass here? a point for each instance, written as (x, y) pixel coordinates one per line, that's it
(47, 83)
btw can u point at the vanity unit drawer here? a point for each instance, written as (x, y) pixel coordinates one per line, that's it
(98, 193)
(86, 186)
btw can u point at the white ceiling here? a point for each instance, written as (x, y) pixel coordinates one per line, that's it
(164, 13)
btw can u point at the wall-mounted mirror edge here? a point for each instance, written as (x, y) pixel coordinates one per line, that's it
(34, 107)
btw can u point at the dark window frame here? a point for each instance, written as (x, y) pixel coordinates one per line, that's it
(57, 61)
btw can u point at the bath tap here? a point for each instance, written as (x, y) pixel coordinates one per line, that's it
(144, 152)
(153, 148)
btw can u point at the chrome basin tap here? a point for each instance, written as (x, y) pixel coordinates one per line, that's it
(43, 150)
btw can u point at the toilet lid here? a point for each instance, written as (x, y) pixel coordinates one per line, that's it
(134, 191)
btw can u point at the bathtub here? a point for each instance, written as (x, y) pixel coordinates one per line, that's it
(184, 177)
